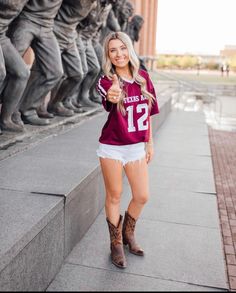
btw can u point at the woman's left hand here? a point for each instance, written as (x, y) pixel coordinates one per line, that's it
(149, 152)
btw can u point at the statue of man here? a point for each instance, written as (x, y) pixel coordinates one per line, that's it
(134, 26)
(89, 32)
(12, 63)
(2, 73)
(133, 30)
(2, 70)
(69, 16)
(125, 13)
(106, 22)
(117, 7)
(112, 24)
(34, 27)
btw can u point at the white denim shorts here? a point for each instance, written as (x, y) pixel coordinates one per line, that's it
(123, 153)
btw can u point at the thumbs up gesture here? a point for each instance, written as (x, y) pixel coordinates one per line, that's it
(114, 92)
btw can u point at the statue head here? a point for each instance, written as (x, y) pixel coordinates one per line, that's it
(127, 10)
(135, 26)
(137, 21)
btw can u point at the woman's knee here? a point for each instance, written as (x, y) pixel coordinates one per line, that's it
(142, 198)
(114, 197)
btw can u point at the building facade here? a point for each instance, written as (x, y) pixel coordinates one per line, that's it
(228, 51)
(146, 46)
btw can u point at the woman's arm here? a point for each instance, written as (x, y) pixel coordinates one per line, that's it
(149, 144)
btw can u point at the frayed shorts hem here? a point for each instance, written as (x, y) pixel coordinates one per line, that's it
(123, 154)
(122, 161)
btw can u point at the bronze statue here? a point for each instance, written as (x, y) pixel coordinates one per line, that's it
(12, 63)
(133, 30)
(33, 28)
(2, 74)
(2, 70)
(70, 14)
(89, 32)
(67, 65)
(107, 23)
(134, 26)
(112, 23)
(91, 69)
(125, 13)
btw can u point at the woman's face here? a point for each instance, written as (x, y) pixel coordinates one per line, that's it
(118, 53)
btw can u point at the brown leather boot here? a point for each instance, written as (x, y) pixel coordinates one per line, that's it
(128, 235)
(117, 250)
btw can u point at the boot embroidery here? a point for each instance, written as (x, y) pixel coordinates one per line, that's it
(128, 235)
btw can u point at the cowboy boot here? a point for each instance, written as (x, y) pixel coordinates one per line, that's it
(117, 251)
(128, 235)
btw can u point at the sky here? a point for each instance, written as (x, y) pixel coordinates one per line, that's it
(195, 26)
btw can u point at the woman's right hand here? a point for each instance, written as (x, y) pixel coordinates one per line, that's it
(114, 92)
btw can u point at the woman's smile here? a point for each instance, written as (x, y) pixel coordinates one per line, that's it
(118, 53)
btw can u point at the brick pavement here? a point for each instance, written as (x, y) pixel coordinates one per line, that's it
(223, 148)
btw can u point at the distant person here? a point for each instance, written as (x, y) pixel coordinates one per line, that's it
(198, 68)
(222, 69)
(126, 139)
(227, 70)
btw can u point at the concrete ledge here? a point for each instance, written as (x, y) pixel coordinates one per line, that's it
(10, 138)
(22, 217)
(82, 206)
(50, 195)
(36, 264)
(165, 109)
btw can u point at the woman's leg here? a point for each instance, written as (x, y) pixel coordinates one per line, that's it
(137, 174)
(112, 174)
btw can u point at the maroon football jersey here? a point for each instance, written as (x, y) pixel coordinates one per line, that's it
(133, 127)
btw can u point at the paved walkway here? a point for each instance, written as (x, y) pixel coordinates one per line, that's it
(179, 228)
(223, 147)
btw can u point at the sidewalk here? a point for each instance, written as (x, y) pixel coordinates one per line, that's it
(179, 228)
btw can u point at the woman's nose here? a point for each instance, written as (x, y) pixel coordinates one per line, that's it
(119, 52)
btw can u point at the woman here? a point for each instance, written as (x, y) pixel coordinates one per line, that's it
(126, 139)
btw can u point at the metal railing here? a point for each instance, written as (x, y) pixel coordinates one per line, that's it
(200, 90)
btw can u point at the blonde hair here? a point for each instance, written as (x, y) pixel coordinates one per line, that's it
(134, 65)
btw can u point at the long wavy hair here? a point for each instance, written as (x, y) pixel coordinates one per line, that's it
(134, 65)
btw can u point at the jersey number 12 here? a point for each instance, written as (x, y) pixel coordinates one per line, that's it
(142, 121)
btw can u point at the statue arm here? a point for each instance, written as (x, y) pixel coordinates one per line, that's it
(112, 22)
